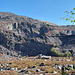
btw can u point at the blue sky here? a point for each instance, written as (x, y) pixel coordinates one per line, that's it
(47, 10)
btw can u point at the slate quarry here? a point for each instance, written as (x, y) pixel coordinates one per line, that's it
(27, 36)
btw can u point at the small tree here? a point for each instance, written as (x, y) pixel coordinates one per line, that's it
(70, 16)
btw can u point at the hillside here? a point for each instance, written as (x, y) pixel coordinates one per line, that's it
(29, 36)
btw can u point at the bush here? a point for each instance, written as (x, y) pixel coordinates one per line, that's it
(54, 52)
(70, 68)
(58, 34)
(61, 55)
(55, 45)
(68, 54)
(57, 53)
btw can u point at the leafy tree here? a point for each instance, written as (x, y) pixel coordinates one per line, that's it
(70, 16)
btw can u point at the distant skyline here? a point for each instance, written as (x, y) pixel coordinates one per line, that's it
(46, 10)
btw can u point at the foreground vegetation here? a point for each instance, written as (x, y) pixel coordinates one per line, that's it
(30, 62)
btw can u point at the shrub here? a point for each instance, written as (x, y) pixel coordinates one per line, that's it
(57, 53)
(70, 68)
(55, 45)
(61, 55)
(58, 34)
(68, 54)
(54, 52)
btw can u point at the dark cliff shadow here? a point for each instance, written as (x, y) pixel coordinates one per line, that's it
(3, 39)
(33, 48)
(68, 41)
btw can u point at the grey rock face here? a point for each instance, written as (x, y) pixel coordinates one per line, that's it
(33, 37)
(4, 50)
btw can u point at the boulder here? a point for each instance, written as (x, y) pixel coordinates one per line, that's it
(34, 66)
(24, 70)
(37, 70)
(70, 65)
(54, 72)
(42, 64)
(59, 67)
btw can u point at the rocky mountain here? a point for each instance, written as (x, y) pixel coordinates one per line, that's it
(29, 36)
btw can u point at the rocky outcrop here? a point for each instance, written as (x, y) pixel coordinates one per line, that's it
(4, 50)
(32, 37)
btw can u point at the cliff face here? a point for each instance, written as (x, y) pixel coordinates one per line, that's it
(31, 37)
